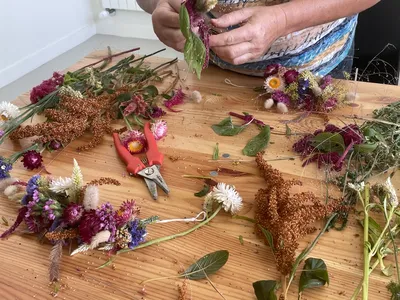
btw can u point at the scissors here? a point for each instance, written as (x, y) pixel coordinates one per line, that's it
(135, 166)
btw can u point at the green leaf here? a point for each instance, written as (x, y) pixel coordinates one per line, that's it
(203, 192)
(124, 97)
(258, 143)
(365, 148)
(268, 236)
(216, 152)
(314, 274)
(207, 265)
(288, 131)
(328, 142)
(165, 96)
(195, 54)
(265, 289)
(388, 270)
(184, 21)
(151, 90)
(227, 128)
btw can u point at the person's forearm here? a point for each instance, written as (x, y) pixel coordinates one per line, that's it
(147, 5)
(301, 14)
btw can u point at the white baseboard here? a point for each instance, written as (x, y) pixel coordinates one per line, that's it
(47, 53)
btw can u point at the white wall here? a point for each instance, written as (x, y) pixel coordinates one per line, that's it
(34, 32)
(126, 23)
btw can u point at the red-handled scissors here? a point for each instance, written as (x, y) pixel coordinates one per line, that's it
(135, 166)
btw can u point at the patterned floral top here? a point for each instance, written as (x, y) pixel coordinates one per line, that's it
(318, 49)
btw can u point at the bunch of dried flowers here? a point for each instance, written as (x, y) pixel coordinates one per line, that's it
(288, 88)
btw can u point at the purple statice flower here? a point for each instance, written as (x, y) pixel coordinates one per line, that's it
(176, 99)
(156, 112)
(325, 81)
(94, 221)
(5, 168)
(46, 87)
(137, 233)
(73, 213)
(271, 69)
(48, 209)
(291, 76)
(281, 97)
(32, 184)
(352, 134)
(329, 104)
(1, 133)
(127, 211)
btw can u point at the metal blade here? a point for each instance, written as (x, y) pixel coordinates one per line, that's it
(154, 174)
(152, 187)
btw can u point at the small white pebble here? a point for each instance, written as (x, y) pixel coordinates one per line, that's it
(282, 108)
(196, 96)
(268, 103)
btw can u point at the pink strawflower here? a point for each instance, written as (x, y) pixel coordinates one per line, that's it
(325, 81)
(32, 160)
(176, 99)
(127, 212)
(134, 141)
(73, 213)
(271, 70)
(136, 106)
(281, 97)
(291, 76)
(46, 87)
(330, 104)
(159, 129)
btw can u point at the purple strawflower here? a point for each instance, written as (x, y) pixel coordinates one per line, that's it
(291, 76)
(46, 87)
(32, 184)
(271, 70)
(32, 159)
(325, 81)
(126, 212)
(72, 213)
(330, 104)
(137, 233)
(279, 96)
(94, 221)
(55, 145)
(5, 168)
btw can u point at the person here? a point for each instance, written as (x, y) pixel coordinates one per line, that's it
(315, 35)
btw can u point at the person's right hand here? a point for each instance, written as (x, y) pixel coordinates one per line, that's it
(165, 19)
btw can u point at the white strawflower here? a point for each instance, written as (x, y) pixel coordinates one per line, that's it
(8, 111)
(227, 196)
(91, 199)
(392, 196)
(61, 185)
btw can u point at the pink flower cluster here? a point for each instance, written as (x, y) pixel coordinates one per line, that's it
(46, 87)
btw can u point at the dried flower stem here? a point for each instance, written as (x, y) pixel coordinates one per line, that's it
(109, 58)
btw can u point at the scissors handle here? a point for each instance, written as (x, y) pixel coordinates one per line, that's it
(154, 157)
(133, 163)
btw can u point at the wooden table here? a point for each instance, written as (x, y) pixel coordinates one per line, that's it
(24, 261)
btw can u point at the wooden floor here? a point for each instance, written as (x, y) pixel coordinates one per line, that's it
(188, 149)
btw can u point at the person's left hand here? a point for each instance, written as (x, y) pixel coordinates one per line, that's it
(262, 26)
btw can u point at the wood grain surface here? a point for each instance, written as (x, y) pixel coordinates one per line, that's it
(188, 149)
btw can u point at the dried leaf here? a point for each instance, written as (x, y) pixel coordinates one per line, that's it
(288, 131)
(216, 152)
(207, 265)
(225, 171)
(55, 257)
(5, 222)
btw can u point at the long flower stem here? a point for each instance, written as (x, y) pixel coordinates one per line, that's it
(366, 244)
(110, 57)
(173, 236)
(358, 289)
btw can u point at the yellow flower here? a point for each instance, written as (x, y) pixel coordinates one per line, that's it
(273, 83)
(135, 146)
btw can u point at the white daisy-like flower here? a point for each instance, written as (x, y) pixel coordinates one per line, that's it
(273, 83)
(8, 111)
(61, 185)
(227, 196)
(392, 196)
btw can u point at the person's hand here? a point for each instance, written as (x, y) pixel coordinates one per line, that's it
(262, 26)
(165, 19)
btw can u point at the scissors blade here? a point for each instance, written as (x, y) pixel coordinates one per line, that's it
(152, 187)
(154, 174)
